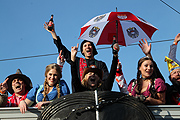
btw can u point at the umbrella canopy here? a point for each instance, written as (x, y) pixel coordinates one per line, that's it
(128, 27)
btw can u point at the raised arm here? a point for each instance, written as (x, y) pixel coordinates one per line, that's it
(109, 82)
(58, 43)
(173, 49)
(76, 82)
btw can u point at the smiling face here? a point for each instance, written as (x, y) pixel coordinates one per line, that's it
(175, 74)
(87, 50)
(52, 77)
(18, 86)
(146, 68)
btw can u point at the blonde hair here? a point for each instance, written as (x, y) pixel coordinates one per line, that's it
(46, 86)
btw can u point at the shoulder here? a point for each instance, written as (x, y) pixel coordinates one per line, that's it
(133, 81)
(159, 81)
(63, 82)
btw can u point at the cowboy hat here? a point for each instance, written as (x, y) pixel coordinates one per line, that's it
(18, 74)
(93, 68)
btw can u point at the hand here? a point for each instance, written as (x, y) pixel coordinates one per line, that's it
(119, 66)
(74, 52)
(4, 86)
(60, 59)
(46, 27)
(23, 106)
(177, 38)
(145, 47)
(116, 47)
(39, 105)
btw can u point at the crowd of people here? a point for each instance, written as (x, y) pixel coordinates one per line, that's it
(89, 74)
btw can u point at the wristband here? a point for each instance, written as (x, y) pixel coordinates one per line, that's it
(2, 92)
(175, 43)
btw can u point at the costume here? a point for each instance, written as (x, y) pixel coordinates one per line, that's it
(105, 86)
(67, 54)
(160, 86)
(36, 96)
(172, 94)
(13, 101)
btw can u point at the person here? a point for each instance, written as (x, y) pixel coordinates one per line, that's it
(18, 85)
(52, 88)
(147, 87)
(92, 75)
(173, 91)
(88, 50)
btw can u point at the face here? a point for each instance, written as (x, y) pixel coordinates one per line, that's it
(87, 50)
(52, 77)
(18, 86)
(92, 79)
(176, 74)
(146, 68)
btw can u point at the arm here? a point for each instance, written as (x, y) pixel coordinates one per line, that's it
(109, 82)
(76, 82)
(160, 100)
(160, 88)
(173, 49)
(60, 60)
(24, 105)
(58, 43)
(120, 79)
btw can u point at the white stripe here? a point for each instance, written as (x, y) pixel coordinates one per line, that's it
(129, 24)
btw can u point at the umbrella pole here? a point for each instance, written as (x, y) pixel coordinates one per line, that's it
(97, 105)
(116, 29)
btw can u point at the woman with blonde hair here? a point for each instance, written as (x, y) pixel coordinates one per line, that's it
(52, 88)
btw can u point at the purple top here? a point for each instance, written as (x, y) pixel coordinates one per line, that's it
(158, 82)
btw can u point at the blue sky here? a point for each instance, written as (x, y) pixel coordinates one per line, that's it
(22, 33)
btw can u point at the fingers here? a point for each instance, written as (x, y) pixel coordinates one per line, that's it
(6, 80)
(77, 45)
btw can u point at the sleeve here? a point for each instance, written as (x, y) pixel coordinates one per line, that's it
(172, 53)
(121, 81)
(32, 93)
(160, 86)
(65, 51)
(108, 83)
(130, 86)
(64, 88)
(105, 70)
(76, 82)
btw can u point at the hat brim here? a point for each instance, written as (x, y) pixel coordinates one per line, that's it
(26, 80)
(95, 70)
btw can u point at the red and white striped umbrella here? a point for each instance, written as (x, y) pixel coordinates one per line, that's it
(130, 29)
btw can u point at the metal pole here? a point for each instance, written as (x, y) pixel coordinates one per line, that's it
(97, 105)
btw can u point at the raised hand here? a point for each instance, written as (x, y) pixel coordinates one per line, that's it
(177, 38)
(4, 86)
(46, 27)
(146, 49)
(74, 52)
(60, 59)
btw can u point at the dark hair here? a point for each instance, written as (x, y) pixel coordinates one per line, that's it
(94, 49)
(152, 77)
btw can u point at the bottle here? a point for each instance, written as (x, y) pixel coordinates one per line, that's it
(50, 24)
